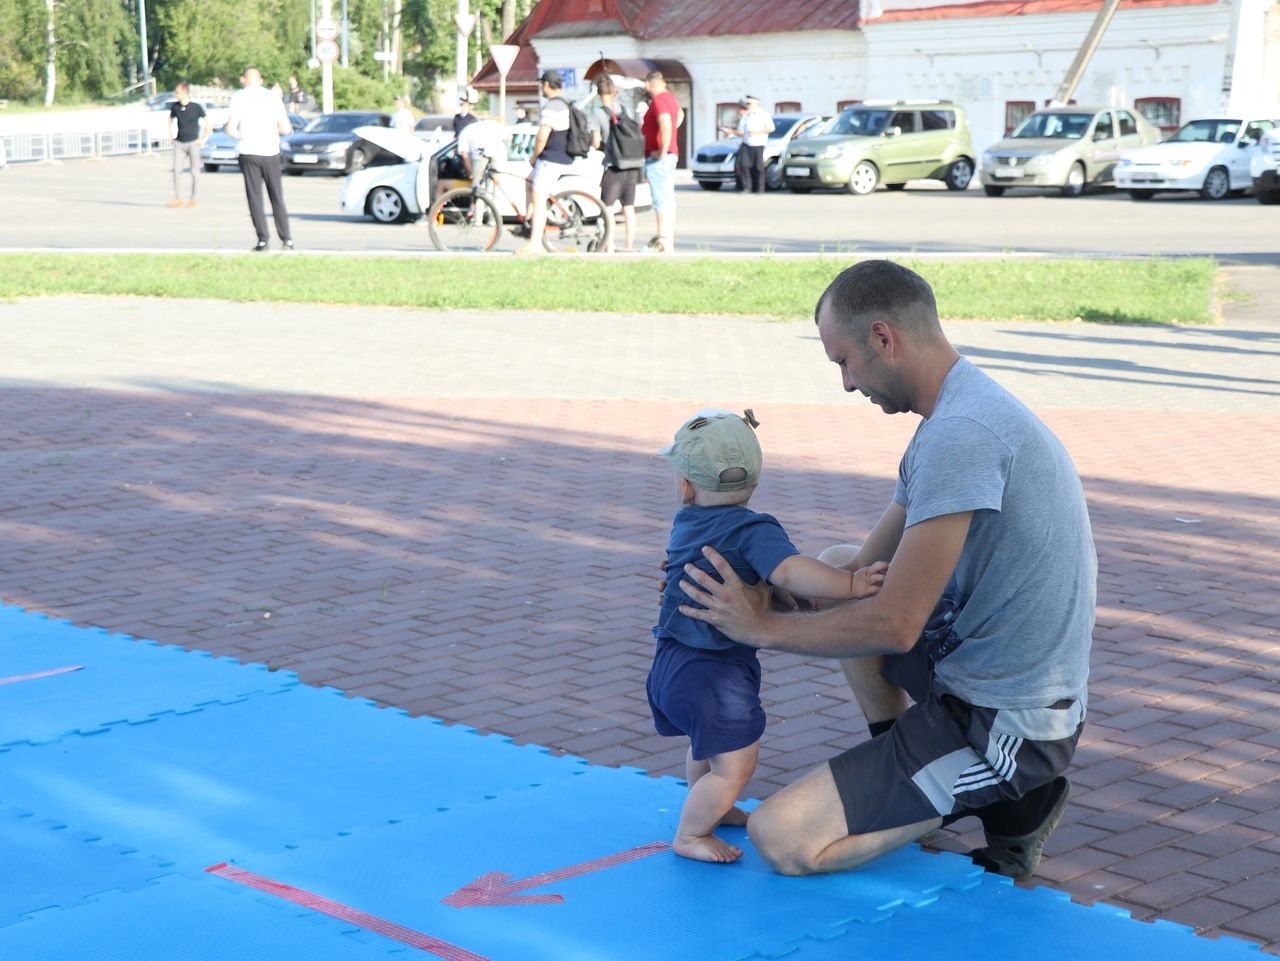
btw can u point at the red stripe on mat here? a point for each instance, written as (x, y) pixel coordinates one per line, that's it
(369, 922)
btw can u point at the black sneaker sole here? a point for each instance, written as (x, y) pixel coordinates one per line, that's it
(1018, 858)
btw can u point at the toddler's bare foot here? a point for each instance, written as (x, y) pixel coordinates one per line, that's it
(736, 818)
(709, 848)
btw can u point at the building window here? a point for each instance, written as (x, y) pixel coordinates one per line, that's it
(726, 117)
(787, 106)
(1163, 112)
(1016, 111)
(841, 104)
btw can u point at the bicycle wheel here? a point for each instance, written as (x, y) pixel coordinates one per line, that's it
(577, 223)
(462, 221)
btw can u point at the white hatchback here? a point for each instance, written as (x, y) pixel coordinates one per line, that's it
(1209, 156)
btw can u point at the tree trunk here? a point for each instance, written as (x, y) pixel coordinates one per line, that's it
(508, 18)
(51, 64)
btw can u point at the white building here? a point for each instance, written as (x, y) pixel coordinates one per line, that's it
(1172, 60)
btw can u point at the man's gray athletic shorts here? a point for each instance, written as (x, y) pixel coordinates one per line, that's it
(943, 756)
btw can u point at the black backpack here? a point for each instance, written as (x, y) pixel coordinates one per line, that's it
(578, 141)
(626, 142)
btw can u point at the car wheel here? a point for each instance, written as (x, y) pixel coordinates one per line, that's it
(959, 174)
(1074, 186)
(773, 176)
(895, 186)
(1217, 184)
(1268, 196)
(710, 184)
(385, 205)
(357, 160)
(864, 178)
(991, 191)
(1142, 194)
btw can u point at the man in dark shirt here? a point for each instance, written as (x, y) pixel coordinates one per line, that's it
(189, 129)
(464, 117)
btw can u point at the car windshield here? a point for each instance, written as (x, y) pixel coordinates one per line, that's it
(1207, 131)
(816, 129)
(338, 123)
(781, 125)
(1059, 126)
(861, 122)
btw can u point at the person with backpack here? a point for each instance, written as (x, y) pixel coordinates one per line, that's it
(617, 134)
(557, 145)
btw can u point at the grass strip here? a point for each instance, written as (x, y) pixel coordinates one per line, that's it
(1102, 291)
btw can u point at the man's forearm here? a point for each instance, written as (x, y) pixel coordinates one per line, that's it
(850, 629)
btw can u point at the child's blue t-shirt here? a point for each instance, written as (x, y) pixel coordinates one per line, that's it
(755, 544)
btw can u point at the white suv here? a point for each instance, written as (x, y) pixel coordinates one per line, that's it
(1263, 168)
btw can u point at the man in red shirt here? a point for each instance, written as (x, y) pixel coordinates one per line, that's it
(659, 127)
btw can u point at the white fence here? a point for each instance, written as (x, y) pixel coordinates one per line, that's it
(80, 144)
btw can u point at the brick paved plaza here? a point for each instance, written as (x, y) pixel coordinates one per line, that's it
(459, 514)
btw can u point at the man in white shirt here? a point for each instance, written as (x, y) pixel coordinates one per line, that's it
(480, 144)
(257, 119)
(755, 127)
(403, 118)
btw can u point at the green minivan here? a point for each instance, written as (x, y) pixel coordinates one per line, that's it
(884, 142)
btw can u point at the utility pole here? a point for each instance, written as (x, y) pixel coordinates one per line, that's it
(1087, 49)
(142, 35)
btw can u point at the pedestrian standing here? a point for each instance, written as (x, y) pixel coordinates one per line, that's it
(621, 175)
(188, 129)
(257, 119)
(403, 118)
(756, 127)
(464, 117)
(550, 158)
(661, 150)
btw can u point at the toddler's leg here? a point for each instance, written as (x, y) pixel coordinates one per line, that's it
(693, 770)
(711, 798)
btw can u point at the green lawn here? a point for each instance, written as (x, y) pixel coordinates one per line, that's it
(1104, 291)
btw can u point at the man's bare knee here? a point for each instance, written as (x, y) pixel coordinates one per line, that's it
(775, 844)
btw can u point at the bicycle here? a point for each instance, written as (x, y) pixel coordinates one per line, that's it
(468, 219)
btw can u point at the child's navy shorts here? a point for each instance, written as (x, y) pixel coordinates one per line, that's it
(713, 697)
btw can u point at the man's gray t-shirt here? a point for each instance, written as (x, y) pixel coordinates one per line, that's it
(1026, 582)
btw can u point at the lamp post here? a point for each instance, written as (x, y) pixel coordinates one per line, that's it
(504, 55)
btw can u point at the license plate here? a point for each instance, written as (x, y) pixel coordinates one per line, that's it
(304, 158)
(796, 171)
(1007, 174)
(1143, 178)
(225, 155)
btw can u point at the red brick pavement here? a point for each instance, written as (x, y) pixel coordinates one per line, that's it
(492, 563)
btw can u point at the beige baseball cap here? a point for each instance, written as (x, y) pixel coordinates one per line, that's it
(717, 450)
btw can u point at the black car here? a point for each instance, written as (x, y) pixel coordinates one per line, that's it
(329, 143)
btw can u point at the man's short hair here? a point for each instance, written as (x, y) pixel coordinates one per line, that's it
(182, 85)
(654, 75)
(605, 85)
(872, 289)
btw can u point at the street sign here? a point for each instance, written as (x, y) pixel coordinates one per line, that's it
(383, 55)
(326, 29)
(327, 51)
(568, 76)
(504, 55)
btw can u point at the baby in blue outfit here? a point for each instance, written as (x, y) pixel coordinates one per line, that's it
(703, 685)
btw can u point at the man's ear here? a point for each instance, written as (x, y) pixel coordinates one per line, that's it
(882, 337)
(687, 491)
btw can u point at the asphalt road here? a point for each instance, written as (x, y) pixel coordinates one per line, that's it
(119, 204)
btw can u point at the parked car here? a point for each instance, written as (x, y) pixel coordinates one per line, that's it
(432, 123)
(713, 165)
(884, 142)
(329, 143)
(403, 190)
(1067, 148)
(1265, 168)
(221, 151)
(1208, 156)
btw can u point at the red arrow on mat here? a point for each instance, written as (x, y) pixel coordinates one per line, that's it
(495, 888)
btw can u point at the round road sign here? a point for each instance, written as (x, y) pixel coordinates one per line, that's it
(326, 28)
(326, 51)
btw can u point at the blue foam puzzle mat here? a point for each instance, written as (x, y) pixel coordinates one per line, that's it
(187, 919)
(264, 772)
(117, 679)
(997, 918)
(44, 864)
(692, 910)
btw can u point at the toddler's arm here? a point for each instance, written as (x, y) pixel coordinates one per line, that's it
(811, 578)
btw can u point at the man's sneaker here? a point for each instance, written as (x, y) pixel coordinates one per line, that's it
(192, 202)
(260, 248)
(287, 246)
(1019, 857)
(522, 229)
(175, 202)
